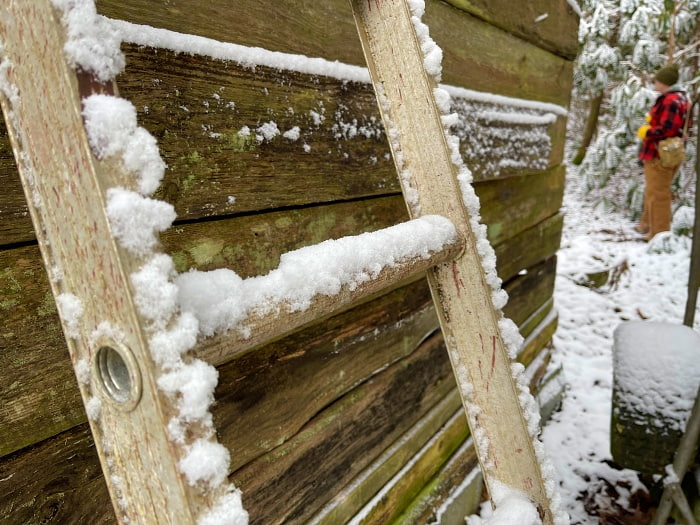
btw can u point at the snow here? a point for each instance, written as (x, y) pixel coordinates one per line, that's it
(267, 131)
(93, 408)
(656, 373)
(194, 385)
(136, 221)
(650, 287)
(92, 44)
(156, 296)
(227, 511)
(292, 134)
(221, 300)
(245, 56)
(576, 8)
(82, 371)
(525, 148)
(112, 130)
(205, 461)
(71, 309)
(512, 507)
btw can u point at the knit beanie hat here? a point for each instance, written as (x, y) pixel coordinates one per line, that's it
(667, 75)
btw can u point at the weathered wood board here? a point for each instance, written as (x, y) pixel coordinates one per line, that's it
(214, 170)
(60, 480)
(36, 406)
(541, 22)
(491, 59)
(329, 390)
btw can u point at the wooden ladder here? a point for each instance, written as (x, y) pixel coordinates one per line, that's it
(90, 273)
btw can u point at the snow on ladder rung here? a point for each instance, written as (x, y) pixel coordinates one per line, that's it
(310, 283)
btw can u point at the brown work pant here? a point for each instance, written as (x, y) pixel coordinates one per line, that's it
(656, 213)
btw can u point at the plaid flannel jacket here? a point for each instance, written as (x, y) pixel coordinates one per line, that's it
(667, 119)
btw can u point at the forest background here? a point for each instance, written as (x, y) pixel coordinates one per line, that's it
(623, 42)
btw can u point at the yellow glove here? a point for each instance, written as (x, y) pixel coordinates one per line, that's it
(642, 131)
(647, 118)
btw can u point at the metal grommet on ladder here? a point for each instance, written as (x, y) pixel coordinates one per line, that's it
(117, 374)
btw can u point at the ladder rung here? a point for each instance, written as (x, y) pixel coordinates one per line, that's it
(270, 318)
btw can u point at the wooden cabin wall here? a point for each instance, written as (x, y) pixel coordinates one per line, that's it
(318, 421)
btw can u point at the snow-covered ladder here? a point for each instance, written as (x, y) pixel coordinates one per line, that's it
(65, 186)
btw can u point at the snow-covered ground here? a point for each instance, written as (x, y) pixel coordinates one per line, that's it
(646, 284)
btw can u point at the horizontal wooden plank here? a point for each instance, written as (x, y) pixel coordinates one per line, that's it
(457, 489)
(197, 107)
(394, 503)
(60, 481)
(269, 389)
(271, 379)
(536, 317)
(526, 249)
(389, 505)
(316, 462)
(550, 25)
(15, 223)
(495, 60)
(486, 58)
(538, 339)
(441, 486)
(252, 245)
(513, 205)
(528, 292)
(36, 406)
(283, 320)
(290, 483)
(321, 29)
(348, 501)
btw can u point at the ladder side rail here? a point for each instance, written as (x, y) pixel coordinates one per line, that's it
(65, 189)
(469, 321)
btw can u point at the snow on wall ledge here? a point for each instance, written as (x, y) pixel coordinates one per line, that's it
(498, 133)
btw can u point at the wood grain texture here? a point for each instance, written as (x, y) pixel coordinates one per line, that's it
(269, 389)
(70, 488)
(250, 245)
(66, 188)
(58, 481)
(295, 479)
(468, 318)
(195, 107)
(550, 25)
(36, 406)
(400, 492)
(350, 499)
(444, 489)
(515, 66)
(485, 58)
(510, 206)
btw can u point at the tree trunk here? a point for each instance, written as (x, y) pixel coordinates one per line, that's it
(590, 129)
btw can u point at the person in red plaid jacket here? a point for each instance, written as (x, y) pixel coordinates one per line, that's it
(666, 119)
